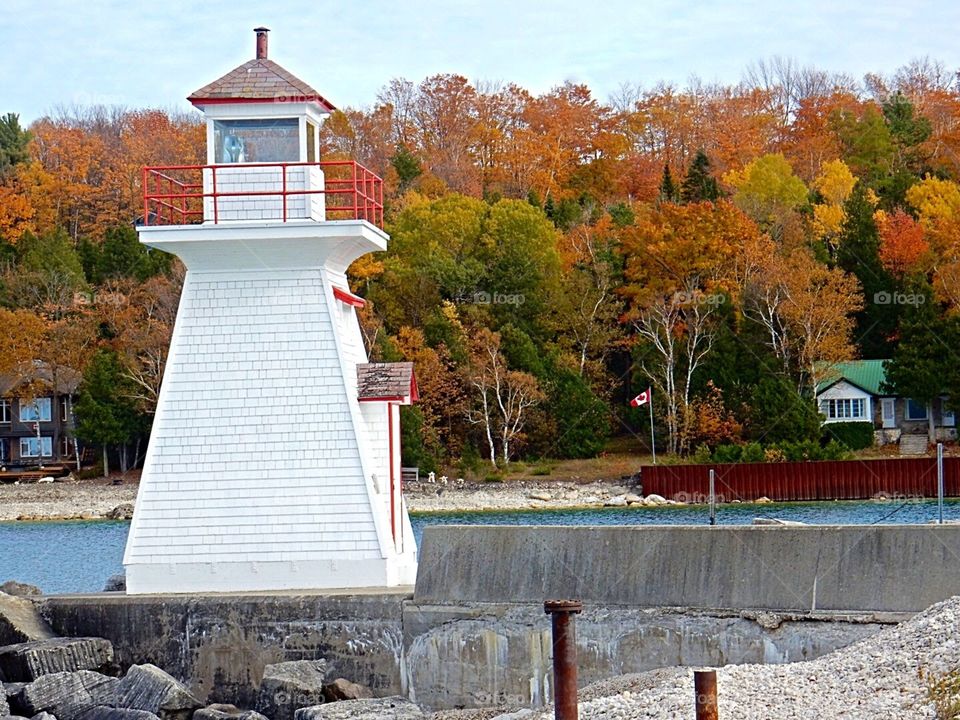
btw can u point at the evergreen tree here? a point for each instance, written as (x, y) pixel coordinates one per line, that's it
(858, 252)
(407, 165)
(13, 142)
(778, 413)
(923, 365)
(122, 255)
(668, 188)
(105, 416)
(699, 184)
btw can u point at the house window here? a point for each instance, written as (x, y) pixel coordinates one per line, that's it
(4, 411)
(844, 409)
(31, 447)
(66, 446)
(916, 410)
(64, 408)
(33, 410)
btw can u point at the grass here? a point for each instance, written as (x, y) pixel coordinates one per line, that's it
(943, 692)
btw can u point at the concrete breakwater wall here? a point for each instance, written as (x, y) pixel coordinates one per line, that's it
(473, 632)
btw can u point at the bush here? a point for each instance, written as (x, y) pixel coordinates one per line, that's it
(752, 453)
(541, 470)
(493, 478)
(854, 435)
(701, 455)
(727, 454)
(834, 450)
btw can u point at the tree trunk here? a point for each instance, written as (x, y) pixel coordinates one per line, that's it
(106, 464)
(931, 426)
(123, 458)
(76, 451)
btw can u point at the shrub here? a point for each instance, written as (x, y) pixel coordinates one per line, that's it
(494, 477)
(727, 454)
(834, 450)
(540, 470)
(855, 435)
(752, 453)
(701, 455)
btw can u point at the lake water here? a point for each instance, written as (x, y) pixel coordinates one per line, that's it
(79, 556)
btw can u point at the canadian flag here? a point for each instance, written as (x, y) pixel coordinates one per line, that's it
(641, 399)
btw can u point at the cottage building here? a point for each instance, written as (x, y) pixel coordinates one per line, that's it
(36, 418)
(854, 392)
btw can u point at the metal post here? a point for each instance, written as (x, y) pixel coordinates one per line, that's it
(713, 499)
(940, 481)
(705, 694)
(564, 656)
(653, 440)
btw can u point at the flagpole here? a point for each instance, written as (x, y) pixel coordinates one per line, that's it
(653, 444)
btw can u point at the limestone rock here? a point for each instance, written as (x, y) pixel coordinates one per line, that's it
(654, 499)
(633, 499)
(21, 622)
(392, 708)
(19, 589)
(763, 500)
(27, 661)
(147, 687)
(65, 694)
(545, 496)
(287, 686)
(103, 712)
(777, 521)
(123, 511)
(616, 501)
(11, 689)
(343, 689)
(226, 712)
(116, 583)
(44, 716)
(4, 707)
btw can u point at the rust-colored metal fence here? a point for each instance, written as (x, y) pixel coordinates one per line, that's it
(827, 480)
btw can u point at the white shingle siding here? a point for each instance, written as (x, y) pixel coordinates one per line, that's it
(245, 179)
(259, 470)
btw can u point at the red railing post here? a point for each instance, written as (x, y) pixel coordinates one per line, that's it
(146, 201)
(283, 171)
(213, 187)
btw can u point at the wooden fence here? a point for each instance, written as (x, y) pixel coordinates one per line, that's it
(827, 480)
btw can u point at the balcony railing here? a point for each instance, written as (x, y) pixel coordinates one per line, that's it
(190, 194)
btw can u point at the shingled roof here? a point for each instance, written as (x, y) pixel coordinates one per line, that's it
(37, 372)
(259, 80)
(387, 381)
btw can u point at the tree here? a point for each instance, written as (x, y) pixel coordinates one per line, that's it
(922, 366)
(699, 184)
(668, 188)
(105, 415)
(834, 183)
(501, 396)
(768, 191)
(903, 247)
(13, 143)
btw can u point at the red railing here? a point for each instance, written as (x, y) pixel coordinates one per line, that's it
(178, 194)
(823, 480)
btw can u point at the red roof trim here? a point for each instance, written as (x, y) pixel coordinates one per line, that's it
(280, 100)
(389, 398)
(348, 298)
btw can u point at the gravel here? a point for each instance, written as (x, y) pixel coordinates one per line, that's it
(62, 500)
(880, 678)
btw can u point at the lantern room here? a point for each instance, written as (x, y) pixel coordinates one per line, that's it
(263, 157)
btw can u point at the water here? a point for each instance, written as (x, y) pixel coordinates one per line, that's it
(79, 556)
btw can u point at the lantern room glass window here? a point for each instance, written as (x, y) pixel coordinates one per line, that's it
(257, 141)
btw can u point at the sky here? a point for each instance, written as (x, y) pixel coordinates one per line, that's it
(153, 54)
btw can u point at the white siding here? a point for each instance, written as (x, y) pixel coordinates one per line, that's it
(241, 179)
(253, 455)
(843, 391)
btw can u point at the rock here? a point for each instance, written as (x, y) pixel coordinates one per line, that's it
(116, 583)
(27, 661)
(763, 500)
(65, 694)
(147, 687)
(654, 499)
(591, 500)
(343, 689)
(44, 716)
(288, 686)
(389, 708)
(545, 496)
(121, 512)
(103, 712)
(21, 622)
(10, 689)
(19, 589)
(616, 501)
(633, 499)
(4, 706)
(226, 712)
(777, 521)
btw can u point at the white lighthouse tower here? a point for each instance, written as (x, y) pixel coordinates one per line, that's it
(274, 459)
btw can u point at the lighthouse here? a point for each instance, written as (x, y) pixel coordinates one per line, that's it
(274, 457)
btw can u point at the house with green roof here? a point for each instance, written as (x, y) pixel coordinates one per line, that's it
(854, 392)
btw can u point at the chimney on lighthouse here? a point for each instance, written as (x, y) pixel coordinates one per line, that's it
(261, 42)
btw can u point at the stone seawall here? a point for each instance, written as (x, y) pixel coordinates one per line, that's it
(473, 632)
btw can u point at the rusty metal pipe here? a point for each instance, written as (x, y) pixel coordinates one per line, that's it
(705, 692)
(564, 656)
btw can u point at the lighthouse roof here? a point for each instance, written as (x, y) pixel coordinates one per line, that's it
(260, 80)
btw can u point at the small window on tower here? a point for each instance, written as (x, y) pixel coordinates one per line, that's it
(311, 142)
(252, 141)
